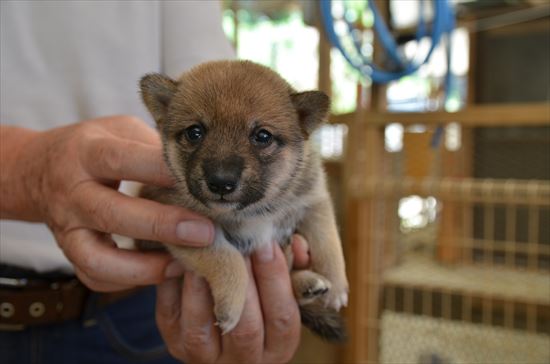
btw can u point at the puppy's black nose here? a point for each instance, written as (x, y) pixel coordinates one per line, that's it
(221, 185)
(222, 175)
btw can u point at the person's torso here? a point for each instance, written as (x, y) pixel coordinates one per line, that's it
(63, 62)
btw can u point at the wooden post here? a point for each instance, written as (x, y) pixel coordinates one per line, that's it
(365, 161)
(456, 219)
(324, 80)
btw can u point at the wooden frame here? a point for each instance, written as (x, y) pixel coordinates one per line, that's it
(367, 183)
(527, 114)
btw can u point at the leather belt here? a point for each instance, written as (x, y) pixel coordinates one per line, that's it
(28, 302)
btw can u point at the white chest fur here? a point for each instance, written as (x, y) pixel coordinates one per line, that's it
(259, 230)
(252, 233)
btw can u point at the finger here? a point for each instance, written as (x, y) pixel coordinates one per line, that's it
(200, 338)
(130, 127)
(103, 264)
(124, 159)
(300, 250)
(107, 210)
(98, 286)
(167, 314)
(245, 343)
(280, 310)
(168, 304)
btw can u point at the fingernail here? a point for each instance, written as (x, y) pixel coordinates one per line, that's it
(195, 231)
(174, 269)
(265, 253)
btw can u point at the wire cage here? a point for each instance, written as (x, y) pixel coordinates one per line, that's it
(451, 252)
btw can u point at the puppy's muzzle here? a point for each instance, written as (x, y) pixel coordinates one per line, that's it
(222, 176)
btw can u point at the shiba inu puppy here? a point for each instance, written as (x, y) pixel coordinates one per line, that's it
(236, 138)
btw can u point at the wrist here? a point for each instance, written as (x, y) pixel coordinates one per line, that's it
(15, 195)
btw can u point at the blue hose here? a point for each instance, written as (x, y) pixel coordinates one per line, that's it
(443, 22)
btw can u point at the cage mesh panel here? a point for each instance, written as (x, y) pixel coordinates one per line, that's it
(473, 284)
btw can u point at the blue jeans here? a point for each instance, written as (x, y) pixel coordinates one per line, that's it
(124, 332)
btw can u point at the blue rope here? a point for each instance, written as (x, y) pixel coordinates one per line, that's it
(443, 24)
(386, 38)
(443, 20)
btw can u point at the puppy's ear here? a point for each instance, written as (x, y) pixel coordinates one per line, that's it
(157, 91)
(312, 108)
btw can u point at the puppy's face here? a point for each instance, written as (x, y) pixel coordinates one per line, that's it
(233, 133)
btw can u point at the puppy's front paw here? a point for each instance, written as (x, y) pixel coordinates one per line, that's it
(309, 286)
(229, 302)
(227, 317)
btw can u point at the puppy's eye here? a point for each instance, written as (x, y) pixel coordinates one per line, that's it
(262, 138)
(194, 133)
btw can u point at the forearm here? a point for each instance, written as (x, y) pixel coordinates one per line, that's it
(15, 199)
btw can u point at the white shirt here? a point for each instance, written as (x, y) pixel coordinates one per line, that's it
(66, 61)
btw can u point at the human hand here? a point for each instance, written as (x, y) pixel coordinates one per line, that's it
(268, 330)
(71, 176)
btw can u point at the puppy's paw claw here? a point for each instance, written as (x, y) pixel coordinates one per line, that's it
(337, 300)
(226, 325)
(309, 286)
(311, 292)
(226, 320)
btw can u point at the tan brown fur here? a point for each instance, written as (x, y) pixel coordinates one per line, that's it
(255, 192)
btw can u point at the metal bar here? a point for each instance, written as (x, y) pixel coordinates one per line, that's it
(509, 314)
(533, 237)
(408, 300)
(512, 192)
(467, 220)
(446, 304)
(487, 311)
(427, 308)
(531, 318)
(391, 305)
(489, 233)
(510, 246)
(467, 308)
(510, 235)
